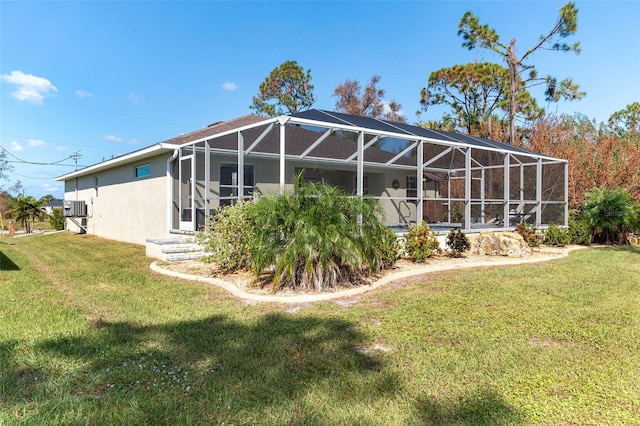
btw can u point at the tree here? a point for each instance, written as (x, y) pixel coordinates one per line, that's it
(475, 92)
(25, 209)
(596, 157)
(4, 166)
(477, 35)
(351, 99)
(626, 120)
(287, 90)
(446, 124)
(46, 198)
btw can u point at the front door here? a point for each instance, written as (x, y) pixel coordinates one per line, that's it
(187, 214)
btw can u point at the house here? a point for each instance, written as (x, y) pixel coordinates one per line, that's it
(446, 179)
(51, 204)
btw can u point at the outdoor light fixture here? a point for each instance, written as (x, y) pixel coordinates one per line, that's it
(395, 184)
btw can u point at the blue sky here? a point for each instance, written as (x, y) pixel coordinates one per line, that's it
(107, 78)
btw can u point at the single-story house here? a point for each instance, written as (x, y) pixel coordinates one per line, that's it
(52, 204)
(446, 179)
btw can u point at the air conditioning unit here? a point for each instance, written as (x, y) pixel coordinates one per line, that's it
(74, 208)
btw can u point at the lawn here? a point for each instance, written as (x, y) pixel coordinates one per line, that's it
(89, 335)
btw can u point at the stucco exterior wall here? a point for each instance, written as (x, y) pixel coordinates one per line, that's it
(122, 207)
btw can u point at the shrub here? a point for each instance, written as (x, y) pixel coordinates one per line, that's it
(457, 242)
(528, 233)
(389, 246)
(56, 220)
(225, 239)
(556, 236)
(610, 215)
(421, 243)
(317, 237)
(579, 232)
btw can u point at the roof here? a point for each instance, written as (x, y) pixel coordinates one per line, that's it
(217, 128)
(54, 203)
(152, 150)
(222, 137)
(408, 130)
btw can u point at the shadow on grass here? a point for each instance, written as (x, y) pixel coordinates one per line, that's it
(6, 264)
(207, 371)
(624, 249)
(481, 408)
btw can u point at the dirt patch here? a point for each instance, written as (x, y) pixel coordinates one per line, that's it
(537, 341)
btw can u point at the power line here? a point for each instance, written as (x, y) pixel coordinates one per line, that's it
(33, 177)
(55, 163)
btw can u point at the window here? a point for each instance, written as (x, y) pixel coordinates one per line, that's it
(229, 182)
(143, 170)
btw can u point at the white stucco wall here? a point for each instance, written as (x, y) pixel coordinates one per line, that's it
(122, 207)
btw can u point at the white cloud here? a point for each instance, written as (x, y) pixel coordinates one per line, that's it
(16, 146)
(386, 109)
(112, 138)
(29, 88)
(230, 86)
(134, 142)
(134, 99)
(49, 188)
(34, 143)
(61, 148)
(83, 94)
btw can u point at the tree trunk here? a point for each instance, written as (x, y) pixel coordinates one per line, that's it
(514, 89)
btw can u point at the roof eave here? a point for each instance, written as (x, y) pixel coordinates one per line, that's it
(141, 154)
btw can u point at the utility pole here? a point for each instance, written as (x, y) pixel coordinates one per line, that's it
(75, 156)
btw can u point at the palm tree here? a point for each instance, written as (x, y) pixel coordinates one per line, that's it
(25, 209)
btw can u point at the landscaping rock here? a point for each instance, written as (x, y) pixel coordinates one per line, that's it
(500, 244)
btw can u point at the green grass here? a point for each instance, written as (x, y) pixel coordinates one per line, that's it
(89, 335)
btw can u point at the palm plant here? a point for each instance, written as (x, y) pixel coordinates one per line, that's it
(25, 210)
(610, 215)
(316, 237)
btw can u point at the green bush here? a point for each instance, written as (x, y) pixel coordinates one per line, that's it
(421, 243)
(579, 232)
(610, 215)
(556, 236)
(226, 236)
(457, 242)
(56, 220)
(528, 233)
(635, 221)
(389, 246)
(314, 237)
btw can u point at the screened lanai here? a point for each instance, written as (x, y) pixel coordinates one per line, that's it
(445, 179)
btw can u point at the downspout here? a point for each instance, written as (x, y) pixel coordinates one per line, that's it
(170, 189)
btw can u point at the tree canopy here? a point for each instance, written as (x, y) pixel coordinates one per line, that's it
(475, 92)
(475, 35)
(286, 90)
(352, 99)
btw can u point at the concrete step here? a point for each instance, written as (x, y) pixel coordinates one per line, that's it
(182, 248)
(183, 257)
(173, 248)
